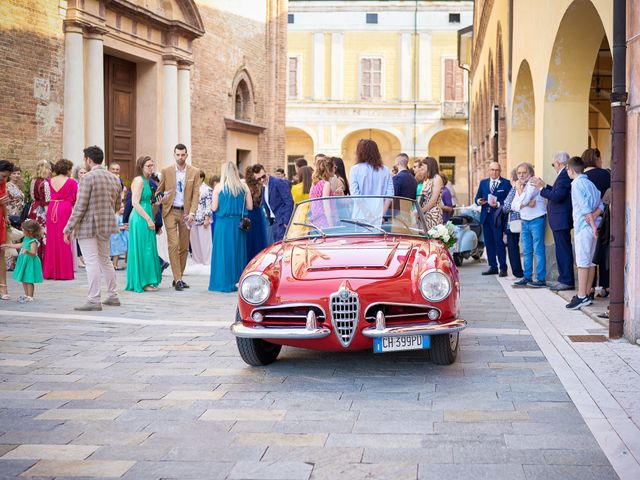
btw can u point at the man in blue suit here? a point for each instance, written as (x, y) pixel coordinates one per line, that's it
(491, 194)
(559, 213)
(276, 201)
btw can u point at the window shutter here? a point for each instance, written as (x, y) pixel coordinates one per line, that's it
(293, 77)
(449, 88)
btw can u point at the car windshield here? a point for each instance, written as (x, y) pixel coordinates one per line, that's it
(357, 215)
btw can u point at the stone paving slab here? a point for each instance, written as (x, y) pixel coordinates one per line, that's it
(136, 393)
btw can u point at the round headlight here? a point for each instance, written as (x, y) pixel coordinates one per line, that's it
(435, 286)
(255, 289)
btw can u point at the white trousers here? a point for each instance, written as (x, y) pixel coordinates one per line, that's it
(95, 252)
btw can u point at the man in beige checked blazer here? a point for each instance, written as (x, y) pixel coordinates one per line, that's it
(92, 223)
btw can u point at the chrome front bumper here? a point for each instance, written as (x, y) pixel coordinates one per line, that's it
(430, 328)
(310, 331)
(313, 331)
(284, 333)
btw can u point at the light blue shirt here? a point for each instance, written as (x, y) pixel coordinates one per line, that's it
(585, 198)
(364, 180)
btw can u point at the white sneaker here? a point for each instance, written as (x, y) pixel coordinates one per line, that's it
(25, 299)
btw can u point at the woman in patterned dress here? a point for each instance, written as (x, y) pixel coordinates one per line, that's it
(41, 195)
(14, 205)
(200, 234)
(431, 194)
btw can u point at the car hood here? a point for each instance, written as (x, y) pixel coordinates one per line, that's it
(349, 258)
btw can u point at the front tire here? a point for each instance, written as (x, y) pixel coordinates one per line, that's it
(457, 259)
(444, 348)
(257, 352)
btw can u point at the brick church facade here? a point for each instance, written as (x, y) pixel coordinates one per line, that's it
(137, 76)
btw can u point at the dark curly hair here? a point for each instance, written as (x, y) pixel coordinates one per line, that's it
(63, 167)
(367, 152)
(255, 187)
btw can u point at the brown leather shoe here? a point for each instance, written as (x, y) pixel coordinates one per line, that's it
(112, 302)
(89, 307)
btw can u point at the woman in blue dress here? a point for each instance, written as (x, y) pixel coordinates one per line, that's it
(230, 199)
(257, 236)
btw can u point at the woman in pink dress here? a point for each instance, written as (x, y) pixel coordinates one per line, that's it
(322, 213)
(58, 258)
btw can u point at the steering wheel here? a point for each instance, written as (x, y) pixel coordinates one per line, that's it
(382, 219)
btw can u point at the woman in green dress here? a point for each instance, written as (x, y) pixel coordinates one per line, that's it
(143, 269)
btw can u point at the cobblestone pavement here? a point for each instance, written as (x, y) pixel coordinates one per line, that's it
(155, 389)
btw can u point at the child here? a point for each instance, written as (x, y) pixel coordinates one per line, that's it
(587, 208)
(28, 269)
(119, 242)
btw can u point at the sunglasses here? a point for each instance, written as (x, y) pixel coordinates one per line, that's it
(261, 177)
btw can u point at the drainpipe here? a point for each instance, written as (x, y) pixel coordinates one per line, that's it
(415, 78)
(618, 170)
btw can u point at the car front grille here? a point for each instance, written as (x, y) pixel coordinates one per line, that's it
(345, 308)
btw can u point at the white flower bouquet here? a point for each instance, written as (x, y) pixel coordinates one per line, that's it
(444, 233)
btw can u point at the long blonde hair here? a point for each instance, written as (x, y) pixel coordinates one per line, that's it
(43, 169)
(324, 170)
(229, 178)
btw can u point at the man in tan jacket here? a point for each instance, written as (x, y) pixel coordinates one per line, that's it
(92, 222)
(180, 184)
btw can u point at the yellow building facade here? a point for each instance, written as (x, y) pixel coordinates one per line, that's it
(381, 70)
(545, 69)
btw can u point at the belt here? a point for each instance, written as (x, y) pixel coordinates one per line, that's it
(178, 208)
(54, 210)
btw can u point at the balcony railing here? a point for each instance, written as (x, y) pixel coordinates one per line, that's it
(454, 110)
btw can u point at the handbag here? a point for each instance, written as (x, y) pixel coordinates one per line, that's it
(515, 226)
(245, 222)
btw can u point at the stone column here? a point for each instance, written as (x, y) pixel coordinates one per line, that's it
(425, 70)
(184, 104)
(73, 123)
(318, 66)
(169, 108)
(406, 67)
(337, 66)
(95, 88)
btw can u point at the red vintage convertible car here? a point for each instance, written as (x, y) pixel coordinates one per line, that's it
(353, 273)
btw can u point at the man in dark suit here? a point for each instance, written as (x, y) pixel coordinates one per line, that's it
(559, 213)
(491, 194)
(276, 201)
(404, 183)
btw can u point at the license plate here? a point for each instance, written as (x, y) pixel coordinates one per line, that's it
(406, 342)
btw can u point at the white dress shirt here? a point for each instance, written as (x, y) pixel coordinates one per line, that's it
(521, 203)
(266, 200)
(181, 180)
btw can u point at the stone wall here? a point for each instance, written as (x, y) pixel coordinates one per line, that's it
(231, 44)
(31, 84)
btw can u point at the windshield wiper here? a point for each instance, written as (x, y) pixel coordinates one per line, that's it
(311, 225)
(363, 224)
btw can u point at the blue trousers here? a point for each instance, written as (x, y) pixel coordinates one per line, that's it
(494, 245)
(513, 249)
(533, 245)
(564, 256)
